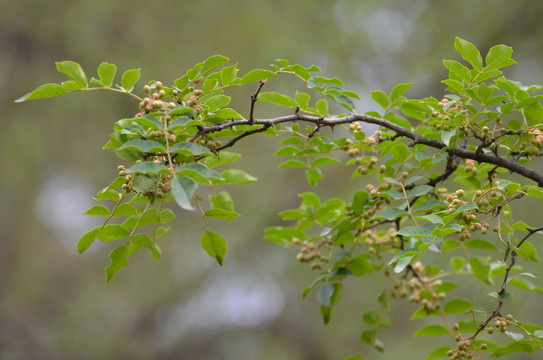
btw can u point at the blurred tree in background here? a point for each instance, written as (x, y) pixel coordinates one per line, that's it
(54, 302)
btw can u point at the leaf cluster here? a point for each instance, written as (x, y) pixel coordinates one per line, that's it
(434, 207)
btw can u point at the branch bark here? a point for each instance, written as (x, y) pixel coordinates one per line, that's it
(320, 122)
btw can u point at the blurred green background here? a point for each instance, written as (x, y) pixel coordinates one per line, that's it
(54, 303)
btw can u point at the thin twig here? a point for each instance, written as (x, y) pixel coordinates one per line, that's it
(254, 99)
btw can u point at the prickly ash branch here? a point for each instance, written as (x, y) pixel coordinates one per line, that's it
(320, 122)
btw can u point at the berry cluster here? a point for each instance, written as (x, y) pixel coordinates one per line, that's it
(160, 186)
(500, 324)
(465, 347)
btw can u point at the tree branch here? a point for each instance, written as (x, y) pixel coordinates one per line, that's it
(320, 122)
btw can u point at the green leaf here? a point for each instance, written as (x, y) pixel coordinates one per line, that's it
(325, 293)
(107, 194)
(431, 330)
(148, 168)
(368, 337)
(535, 192)
(302, 100)
(183, 188)
(322, 107)
(166, 215)
(434, 219)
(481, 269)
(74, 71)
(86, 240)
(112, 232)
(291, 163)
(398, 90)
(420, 190)
(354, 357)
(119, 259)
(212, 63)
(534, 113)
(277, 99)
(222, 200)
(313, 176)
(190, 149)
(325, 80)
(228, 74)
(438, 353)
(130, 78)
(459, 69)
(43, 91)
(404, 253)
(360, 265)
(146, 146)
(402, 264)
(389, 213)
(519, 346)
(480, 244)
(287, 151)
(370, 317)
(457, 263)
(106, 72)
(324, 160)
(256, 75)
(469, 53)
(446, 137)
(457, 306)
(528, 251)
(399, 152)
(215, 245)
(98, 210)
(143, 240)
(125, 210)
(142, 182)
(200, 169)
(221, 214)
(332, 300)
(216, 102)
(150, 122)
(235, 177)
(360, 199)
(499, 56)
(424, 230)
(380, 98)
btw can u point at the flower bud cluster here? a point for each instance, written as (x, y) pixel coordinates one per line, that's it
(311, 252)
(366, 164)
(355, 127)
(154, 100)
(420, 288)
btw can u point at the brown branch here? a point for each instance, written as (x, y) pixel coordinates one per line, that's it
(480, 157)
(496, 311)
(254, 99)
